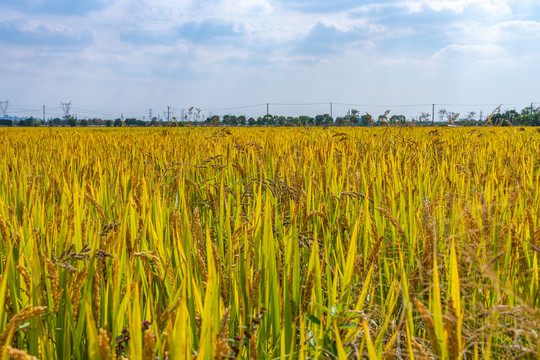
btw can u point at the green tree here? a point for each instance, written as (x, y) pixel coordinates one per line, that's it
(327, 120)
(268, 120)
(398, 119)
(28, 122)
(216, 120)
(71, 121)
(305, 120)
(293, 121)
(512, 116)
(366, 120)
(130, 122)
(351, 119)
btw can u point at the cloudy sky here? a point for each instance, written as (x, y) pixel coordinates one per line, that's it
(112, 56)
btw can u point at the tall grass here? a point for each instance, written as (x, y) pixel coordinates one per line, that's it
(269, 243)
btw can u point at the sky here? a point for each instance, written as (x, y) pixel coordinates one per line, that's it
(111, 57)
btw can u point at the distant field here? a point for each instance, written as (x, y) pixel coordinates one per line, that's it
(267, 243)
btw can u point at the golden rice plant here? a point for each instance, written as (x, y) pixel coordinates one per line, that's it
(300, 243)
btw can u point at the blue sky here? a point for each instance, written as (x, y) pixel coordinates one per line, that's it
(128, 56)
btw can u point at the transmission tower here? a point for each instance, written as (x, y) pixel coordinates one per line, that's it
(66, 107)
(3, 107)
(150, 114)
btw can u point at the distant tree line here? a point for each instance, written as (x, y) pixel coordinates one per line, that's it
(528, 116)
(70, 121)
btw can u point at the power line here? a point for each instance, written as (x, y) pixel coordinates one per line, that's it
(497, 104)
(299, 104)
(233, 108)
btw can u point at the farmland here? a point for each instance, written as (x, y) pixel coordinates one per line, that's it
(269, 243)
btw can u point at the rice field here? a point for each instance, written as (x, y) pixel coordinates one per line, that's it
(269, 243)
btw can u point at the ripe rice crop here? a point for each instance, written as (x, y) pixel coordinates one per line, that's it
(269, 243)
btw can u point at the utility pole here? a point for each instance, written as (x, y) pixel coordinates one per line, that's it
(44, 113)
(331, 111)
(168, 113)
(267, 107)
(433, 113)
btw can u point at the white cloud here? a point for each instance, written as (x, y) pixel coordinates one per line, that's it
(490, 7)
(368, 49)
(509, 31)
(517, 29)
(35, 25)
(473, 52)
